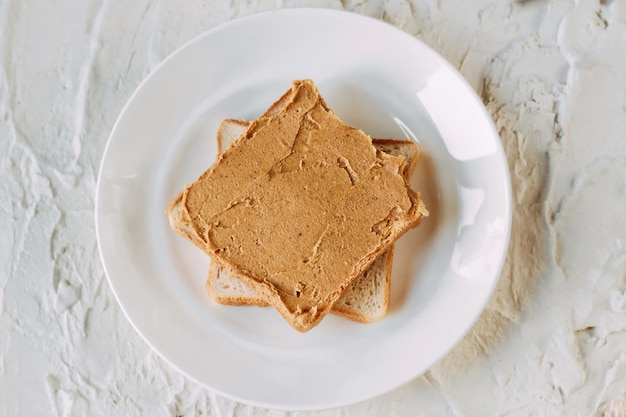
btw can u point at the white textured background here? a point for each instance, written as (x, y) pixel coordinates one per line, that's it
(553, 75)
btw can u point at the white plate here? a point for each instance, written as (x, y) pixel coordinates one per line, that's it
(373, 76)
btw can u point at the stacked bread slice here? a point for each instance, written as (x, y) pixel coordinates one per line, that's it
(300, 211)
(367, 299)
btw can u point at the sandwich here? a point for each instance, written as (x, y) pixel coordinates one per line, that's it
(299, 206)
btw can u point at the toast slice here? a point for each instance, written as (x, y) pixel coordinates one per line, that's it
(299, 206)
(367, 299)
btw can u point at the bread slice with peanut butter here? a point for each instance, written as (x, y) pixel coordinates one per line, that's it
(367, 299)
(300, 206)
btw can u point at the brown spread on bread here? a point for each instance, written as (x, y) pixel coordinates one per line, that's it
(300, 205)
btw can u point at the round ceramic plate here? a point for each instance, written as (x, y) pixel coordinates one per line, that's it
(373, 76)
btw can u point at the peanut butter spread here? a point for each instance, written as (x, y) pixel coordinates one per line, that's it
(300, 205)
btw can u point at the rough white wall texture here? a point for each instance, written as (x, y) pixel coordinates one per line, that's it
(552, 340)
